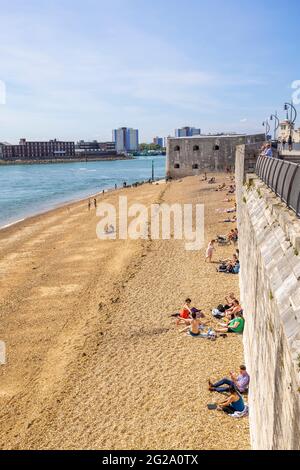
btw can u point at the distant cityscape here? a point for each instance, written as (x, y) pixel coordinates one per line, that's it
(124, 143)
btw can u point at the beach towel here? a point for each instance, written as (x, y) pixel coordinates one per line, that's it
(241, 414)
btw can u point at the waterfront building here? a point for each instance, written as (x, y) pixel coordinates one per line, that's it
(187, 131)
(31, 150)
(188, 156)
(158, 141)
(126, 139)
(95, 148)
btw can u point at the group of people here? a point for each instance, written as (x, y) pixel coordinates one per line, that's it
(231, 316)
(235, 388)
(90, 203)
(283, 142)
(231, 265)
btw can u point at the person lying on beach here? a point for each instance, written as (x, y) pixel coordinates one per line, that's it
(234, 326)
(233, 403)
(210, 250)
(226, 211)
(240, 381)
(228, 220)
(195, 326)
(227, 199)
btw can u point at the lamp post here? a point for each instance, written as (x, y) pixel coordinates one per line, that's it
(291, 118)
(276, 124)
(267, 127)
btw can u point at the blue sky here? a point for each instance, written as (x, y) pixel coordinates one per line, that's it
(76, 69)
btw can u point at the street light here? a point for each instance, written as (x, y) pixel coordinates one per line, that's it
(276, 124)
(267, 127)
(293, 116)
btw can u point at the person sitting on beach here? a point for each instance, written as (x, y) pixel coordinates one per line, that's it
(233, 403)
(230, 265)
(195, 326)
(185, 314)
(204, 177)
(221, 310)
(221, 187)
(232, 312)
(212, 180)
(234, 326)
(210, 250)
(233, 235)
(240, 381)
(231, 190)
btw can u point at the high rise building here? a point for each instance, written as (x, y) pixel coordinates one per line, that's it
(187, 131)
(126, 139)
(158, 141)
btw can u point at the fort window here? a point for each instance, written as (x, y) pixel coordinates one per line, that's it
(177, 148)
(216, 147)
(195, 166)
(176, 165)
(196, 148)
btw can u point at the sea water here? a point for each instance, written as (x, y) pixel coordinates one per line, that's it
(27, 190)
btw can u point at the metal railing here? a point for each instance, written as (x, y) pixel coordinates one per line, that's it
(283, 178)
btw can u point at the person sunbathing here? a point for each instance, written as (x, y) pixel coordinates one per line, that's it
(221, 310)
(231, 312)
(234, 234)
(184, 316)
(195, 326)
(231, 190)
(240, 381)
(229, 265)
(228, 220)
(212, 180)
(221, 187)
(234, 326)
(227, 199)
(232, 262)
(233, 403)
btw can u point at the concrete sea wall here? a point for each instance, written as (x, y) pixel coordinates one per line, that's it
(269, 243)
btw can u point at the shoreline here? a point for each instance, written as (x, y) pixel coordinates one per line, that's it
(69, 204)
